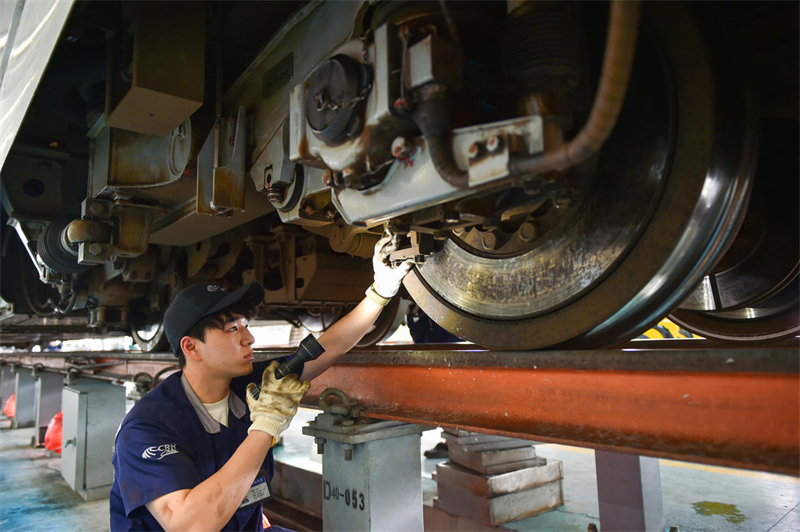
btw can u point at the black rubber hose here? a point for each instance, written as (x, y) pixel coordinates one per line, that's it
(431, 114)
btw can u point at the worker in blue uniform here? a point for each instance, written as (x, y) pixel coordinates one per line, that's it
(195, 453)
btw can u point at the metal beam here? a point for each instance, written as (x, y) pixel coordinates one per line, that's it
(730, 407)
(736, 408)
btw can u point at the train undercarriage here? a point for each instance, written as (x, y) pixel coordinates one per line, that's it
(564, 175)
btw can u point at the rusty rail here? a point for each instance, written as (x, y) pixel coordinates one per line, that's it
(730, 407)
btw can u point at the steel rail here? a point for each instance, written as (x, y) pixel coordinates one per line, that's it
(729, 407)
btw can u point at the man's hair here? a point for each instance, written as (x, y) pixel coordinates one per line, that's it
(217, 321)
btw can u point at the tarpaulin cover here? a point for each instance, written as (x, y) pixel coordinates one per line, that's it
(11, 406)
(52, 438)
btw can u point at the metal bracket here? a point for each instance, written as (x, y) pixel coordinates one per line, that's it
(220, 167)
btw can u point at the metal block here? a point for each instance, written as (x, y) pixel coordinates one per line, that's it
(468, 438)
(434, 60)
(380, 488)
(167, 69)
(221, 168)
(92, 413)
(498, 461)
(500, 509)
(48, 401)
(491, 486)
(505, 443)
(629, 492)
(25, 394)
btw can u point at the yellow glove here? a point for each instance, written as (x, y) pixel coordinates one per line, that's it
(277, 401)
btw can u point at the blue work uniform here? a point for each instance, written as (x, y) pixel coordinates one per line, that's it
(169, 442)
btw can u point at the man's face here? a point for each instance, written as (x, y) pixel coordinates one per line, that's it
(229, 351)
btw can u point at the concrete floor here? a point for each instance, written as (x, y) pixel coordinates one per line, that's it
(697, 498)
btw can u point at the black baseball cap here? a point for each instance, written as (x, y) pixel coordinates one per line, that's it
(201, 300)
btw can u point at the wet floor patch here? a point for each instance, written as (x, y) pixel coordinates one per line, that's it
(729, 511)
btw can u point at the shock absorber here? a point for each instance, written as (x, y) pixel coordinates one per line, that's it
(544, 62)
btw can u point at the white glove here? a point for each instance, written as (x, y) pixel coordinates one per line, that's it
(277, 403)
(387, 279)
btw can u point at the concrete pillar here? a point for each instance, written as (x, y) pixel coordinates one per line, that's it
(629, 492)
(25, 391)
(48, 401)
(7, 384)
(93, 411)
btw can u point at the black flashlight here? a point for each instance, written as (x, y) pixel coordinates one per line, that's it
(309, 349)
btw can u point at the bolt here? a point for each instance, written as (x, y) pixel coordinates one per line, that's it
(330, 213)
(309, 210)
(474, 149)
(493, 143)
(527, 231)
(320, 445)
(489, 240)
(401, 105)
(348, 451)
(96, 208)
(398, 147)
(95, 249)
(327, 178)
(451, 217)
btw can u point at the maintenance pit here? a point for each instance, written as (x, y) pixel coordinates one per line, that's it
(662, 463)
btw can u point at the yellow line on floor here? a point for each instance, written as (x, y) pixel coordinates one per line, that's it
(696, 467)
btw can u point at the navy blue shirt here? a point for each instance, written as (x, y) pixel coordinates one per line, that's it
(169, 442)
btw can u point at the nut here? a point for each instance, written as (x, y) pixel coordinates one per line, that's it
(474, 149)
(330, 213)
(309, 210)
(95, 249)
(96, 207)
(398, 147)
(489, 240)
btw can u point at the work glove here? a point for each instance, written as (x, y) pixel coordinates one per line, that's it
(387, 278)
(272, 409)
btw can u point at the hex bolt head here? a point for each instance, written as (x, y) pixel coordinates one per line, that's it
(474, 150)
(95, 249)
(330, 213)
(489, 240)
(527, 232)
(493, 143)
(309, 210)
(96, 208)
(348, 451)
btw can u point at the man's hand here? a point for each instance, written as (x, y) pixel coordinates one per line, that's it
(277, 401)
(387, 279)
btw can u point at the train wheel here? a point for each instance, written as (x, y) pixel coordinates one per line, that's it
(670, 188)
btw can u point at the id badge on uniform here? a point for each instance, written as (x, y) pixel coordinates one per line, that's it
(259, 492)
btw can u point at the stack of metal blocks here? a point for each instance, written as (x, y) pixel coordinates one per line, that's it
(493, 480)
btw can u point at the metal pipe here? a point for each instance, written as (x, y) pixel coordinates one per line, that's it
(431, 114)
(623, 26)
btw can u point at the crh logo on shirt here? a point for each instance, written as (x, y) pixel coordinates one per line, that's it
(160, 451)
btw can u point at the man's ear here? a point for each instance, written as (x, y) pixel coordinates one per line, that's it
(191, 348)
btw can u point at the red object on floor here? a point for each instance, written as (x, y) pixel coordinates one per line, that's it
(52, 438)
(11, 406)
